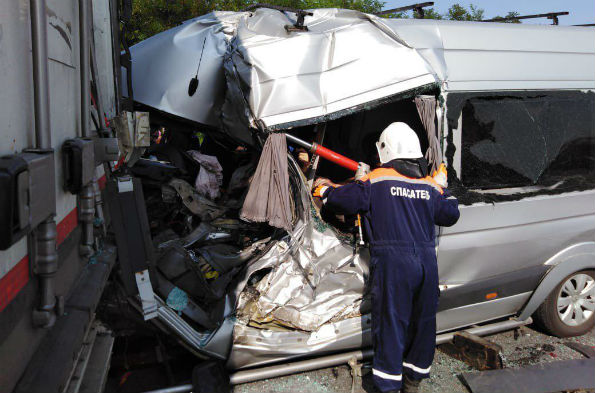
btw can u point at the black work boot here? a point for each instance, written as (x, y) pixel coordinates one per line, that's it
(410, 385)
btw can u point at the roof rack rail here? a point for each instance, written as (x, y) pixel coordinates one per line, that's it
(417, 8)
(586, 24)
(550, 15)
(301, 14)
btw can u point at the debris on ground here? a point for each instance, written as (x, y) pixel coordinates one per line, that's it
(477, 352)
(530, 347)
(566, 375)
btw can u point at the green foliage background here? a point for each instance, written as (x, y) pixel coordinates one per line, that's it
(150, 17)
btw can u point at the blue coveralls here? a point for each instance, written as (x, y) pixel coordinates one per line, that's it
(399, 217)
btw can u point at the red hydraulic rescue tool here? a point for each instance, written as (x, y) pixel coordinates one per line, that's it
(325, 153)
(337, 158)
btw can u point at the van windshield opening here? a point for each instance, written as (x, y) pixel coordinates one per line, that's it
(355, 136)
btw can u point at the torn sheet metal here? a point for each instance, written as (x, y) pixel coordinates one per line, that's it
(306, 290)
(256, 73)
(346, 58)
(289, 294)
(133, 131)
(163, 65)
(257, 347)
(306, 273)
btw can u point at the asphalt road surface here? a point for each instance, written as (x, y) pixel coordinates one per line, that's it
(528, 347)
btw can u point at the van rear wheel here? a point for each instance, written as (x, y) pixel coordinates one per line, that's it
(570, 309)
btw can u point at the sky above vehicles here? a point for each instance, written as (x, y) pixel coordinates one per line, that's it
(581, 11)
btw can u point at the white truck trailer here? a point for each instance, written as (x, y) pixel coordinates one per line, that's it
(57, 89)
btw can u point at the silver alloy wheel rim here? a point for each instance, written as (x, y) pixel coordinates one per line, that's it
(576, 300)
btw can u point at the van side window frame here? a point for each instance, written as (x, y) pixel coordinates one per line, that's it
(454, 129)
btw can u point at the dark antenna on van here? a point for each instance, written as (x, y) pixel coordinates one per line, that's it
(550, 15)
(418, 9)
(193, 85)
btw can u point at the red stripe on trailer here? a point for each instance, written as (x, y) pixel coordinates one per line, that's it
(66, 226)
(13, 281)
(17, 277)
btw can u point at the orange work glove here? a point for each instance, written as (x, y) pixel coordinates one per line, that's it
(319, 191)
(441, 176)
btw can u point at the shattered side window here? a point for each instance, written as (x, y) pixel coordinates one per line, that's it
(514, 141)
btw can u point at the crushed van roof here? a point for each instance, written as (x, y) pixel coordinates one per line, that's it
(346, 59)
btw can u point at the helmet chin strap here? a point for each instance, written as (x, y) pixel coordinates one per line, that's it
(410, 167)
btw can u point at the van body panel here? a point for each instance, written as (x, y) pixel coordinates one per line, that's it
(157, 80)
(476, 56)
(256, 347)
(490, 240)
(461, 56)
(495, 287)
(571, 260)
(470, 314)
(16, 99)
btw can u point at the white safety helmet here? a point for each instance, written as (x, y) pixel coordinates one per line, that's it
(398, 140)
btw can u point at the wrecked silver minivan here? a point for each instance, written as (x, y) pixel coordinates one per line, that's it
(508, 108)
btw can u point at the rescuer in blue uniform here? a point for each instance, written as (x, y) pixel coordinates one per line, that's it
(400, 205)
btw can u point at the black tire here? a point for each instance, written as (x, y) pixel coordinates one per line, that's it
(547, 317)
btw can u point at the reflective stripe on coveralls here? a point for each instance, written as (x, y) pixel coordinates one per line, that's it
(400, 376)
(399, 214)
(387, 376)
(417, 369)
